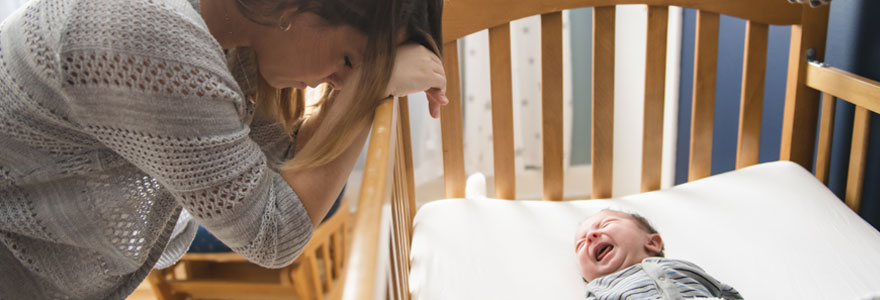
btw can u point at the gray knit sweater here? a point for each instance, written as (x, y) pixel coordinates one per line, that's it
(114, 116)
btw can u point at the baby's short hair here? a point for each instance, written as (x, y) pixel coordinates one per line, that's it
(645, 224)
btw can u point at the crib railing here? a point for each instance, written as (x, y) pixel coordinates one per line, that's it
(228, 275)
(379, 261)
(465, 17)
(865, 94)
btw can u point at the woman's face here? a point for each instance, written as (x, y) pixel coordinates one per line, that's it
(309, 53)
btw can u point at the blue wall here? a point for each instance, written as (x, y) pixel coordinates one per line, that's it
(853, 45)
(727, 94)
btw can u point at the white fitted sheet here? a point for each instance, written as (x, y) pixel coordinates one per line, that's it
(772, 231)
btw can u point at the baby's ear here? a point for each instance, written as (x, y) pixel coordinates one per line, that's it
(654, 243)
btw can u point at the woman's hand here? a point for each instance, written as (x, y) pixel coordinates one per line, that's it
(417, 69)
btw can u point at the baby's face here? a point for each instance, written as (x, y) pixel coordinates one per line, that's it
(610, 241)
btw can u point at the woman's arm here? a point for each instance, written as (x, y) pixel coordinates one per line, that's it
(416, 69)
(196, 147)
(318, 187)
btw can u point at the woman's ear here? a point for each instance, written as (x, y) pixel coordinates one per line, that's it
(654, 243)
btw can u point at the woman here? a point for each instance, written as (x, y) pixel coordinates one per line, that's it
(118, 119)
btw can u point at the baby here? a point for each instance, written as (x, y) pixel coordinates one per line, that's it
(621, 255)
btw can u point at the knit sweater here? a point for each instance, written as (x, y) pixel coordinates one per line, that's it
(116, 115)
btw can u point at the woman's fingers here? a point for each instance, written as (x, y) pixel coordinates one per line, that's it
(436, 98)
(434, 110)
(416, 69)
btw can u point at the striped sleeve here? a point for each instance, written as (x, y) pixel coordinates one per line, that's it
(697, 281)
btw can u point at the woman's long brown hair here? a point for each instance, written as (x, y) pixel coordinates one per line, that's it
(381, 21)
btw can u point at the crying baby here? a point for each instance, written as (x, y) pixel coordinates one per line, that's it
(621, 257)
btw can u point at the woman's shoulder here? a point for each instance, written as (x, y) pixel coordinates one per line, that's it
(154, 46)
(168, 29)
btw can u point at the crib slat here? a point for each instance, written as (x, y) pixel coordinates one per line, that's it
(328, 270)
(397, 197)
(159, 284)
(402, 199)
(401, 238)
(551, 104)
(858, 152)
(502, 112)
(342, 236)
(302, 288)
(399, 267)
(752, 95)
(337, 252)
(602, 127)
(406, 161)
(313, 275)
(397, 229)
(394, 242)
(826, 126)
(655, 87)
(398, 259)
(395, 292)
(403, 203)
(284, 279)
(703, 108)
(451, 127)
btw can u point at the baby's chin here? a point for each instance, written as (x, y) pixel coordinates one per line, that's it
(600, 271)
(591, 274)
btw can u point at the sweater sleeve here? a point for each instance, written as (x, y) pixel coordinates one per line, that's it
(158, 94)
(274, 140)
(277, 144)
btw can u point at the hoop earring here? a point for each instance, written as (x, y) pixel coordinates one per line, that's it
(284, 23)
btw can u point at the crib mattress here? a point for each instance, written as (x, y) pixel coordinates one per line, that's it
(772, 231)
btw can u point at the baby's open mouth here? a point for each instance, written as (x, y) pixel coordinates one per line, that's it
(603, 251)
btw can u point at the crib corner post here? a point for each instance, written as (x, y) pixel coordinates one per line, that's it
(367, 260)
(801, 102)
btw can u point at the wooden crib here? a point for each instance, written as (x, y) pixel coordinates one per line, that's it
(379, 263)
(228, 275)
